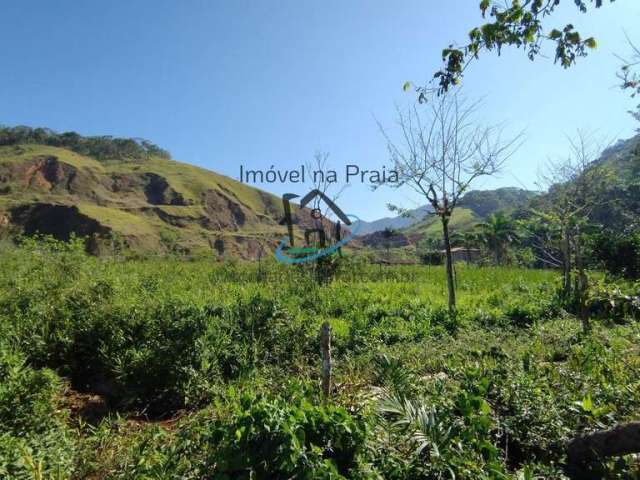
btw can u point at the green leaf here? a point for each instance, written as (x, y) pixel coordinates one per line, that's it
(407, 86)
(555, 34)
(484, 5)
(485, 408)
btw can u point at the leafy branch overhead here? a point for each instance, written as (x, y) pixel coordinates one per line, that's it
(513, 24)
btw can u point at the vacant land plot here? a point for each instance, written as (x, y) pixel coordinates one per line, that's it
(176, 369)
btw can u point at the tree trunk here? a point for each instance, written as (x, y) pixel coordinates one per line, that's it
(583, 452)
(582, 285)
(449, 265)
(325, 343)
(566, 264)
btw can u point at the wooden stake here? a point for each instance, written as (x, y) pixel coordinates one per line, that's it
(325, 343)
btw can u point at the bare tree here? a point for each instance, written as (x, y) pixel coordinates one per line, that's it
(544, 239)
(326, 224)
(629, 76)
(319, 178)
(576, 187)
(442, 150)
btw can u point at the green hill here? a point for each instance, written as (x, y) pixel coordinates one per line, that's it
(618, 208)
(473, 208)
(624, 159)
(485, 202)
(136, 199)
(463, 219)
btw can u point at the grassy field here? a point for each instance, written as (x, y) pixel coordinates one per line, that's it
(173, 369)
(463, 219)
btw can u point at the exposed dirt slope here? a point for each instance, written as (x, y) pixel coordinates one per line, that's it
(147, 206)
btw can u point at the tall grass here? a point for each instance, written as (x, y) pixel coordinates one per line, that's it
(233, 348)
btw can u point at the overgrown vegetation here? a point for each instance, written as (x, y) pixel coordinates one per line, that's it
(212, 371)
(517, 24)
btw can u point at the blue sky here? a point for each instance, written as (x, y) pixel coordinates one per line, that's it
(263, 83)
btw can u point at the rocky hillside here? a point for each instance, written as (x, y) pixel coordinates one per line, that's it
(148, 204)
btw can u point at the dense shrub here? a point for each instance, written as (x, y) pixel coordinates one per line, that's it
(257, 437)
(619, 255)
(151, 358)
(614, 302)
(261, 331)
(34, 440)
(280, 439)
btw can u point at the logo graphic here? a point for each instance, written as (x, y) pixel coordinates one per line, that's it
(317, 243)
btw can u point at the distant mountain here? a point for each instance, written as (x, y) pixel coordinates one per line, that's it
(473, 208)
(395, 223)
(129, 195)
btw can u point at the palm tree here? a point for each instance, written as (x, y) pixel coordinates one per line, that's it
(497, 233)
